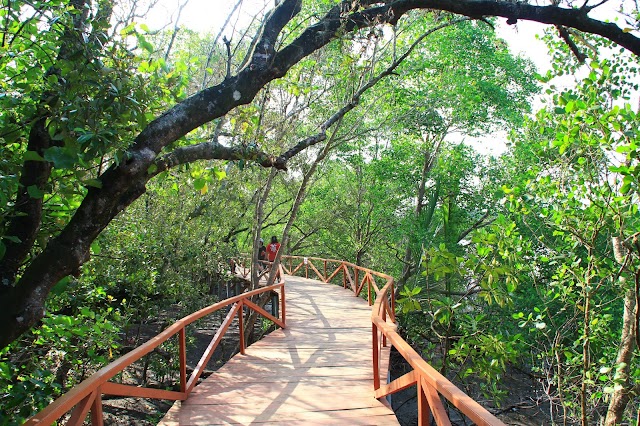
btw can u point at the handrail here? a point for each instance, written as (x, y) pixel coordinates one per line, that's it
(87, 396)
(430, 383)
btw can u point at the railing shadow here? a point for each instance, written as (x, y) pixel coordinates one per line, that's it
(431, 385)
(86, 398)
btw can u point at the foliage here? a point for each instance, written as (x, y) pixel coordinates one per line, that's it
(483, 284)
(59, 354)
(571, 203)
(91, 111)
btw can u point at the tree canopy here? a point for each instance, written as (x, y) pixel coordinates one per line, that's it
(357, 101)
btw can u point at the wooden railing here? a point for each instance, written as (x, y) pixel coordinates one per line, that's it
(87, 396)
(431, 385)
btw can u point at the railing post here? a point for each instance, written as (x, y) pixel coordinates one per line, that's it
(241, 326)
(384, 318)
(393, 302)
(376, 358)
(344, 275)
(369, 291)
(423, 405)
(325, 270)
(182, 339)
(97, 418)
(355, 277)
(274, 304)
(283, 305)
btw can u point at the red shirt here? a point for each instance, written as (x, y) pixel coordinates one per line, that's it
(272, 250)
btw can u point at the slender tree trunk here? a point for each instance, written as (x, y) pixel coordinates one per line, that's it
(174, 34)
(264, 298)
(585, 360)
(215, 42)
(586, 344)
(621, 397)
(261, 300)
(257, 232)
(300, 198)
(430, 157)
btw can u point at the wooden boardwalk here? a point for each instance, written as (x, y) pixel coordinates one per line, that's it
(316, 371)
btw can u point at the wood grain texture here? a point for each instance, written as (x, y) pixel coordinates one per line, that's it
(316, 371)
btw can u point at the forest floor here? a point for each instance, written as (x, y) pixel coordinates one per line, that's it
(140, 411)
(519, 407)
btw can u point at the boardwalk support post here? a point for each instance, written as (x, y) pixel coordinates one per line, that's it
(325, 271)
(423, 406)
(284, 306)
(97, 418)
(376, 358)
(241, 326)
(182, 338)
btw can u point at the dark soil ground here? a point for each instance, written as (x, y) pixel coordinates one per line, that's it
(152, 371)
(520, 407)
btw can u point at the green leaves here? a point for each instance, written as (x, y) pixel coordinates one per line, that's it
(34, 192)
(409, 301)
(200, 185)
(205, 177)
(62, 158)
(92, 98)
(573, 201)
(32, 156)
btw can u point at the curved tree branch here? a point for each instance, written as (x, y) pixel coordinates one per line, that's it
(564, 34)
(215, 151)
(23, 304)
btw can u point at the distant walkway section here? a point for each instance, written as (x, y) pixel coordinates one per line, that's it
(316, 371)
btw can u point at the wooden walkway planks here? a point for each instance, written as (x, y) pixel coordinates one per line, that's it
(316, 371)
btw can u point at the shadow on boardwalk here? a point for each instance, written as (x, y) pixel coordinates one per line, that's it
(316, 371)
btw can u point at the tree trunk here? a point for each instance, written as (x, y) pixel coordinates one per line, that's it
(430, 157)
(22, 302)
(257, 232)
(621, 397)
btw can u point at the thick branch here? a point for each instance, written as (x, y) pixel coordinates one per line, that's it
(215, 151)
(553, 15)
(564, 34)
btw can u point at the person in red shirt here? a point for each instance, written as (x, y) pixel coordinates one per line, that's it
(272, 249)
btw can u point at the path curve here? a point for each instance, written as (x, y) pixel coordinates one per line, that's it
(316, 371)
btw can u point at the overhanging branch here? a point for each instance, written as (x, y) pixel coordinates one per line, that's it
(564, 34)
(355, 100)
(215, 151)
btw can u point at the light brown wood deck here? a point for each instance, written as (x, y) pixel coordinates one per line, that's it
(316, 371)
